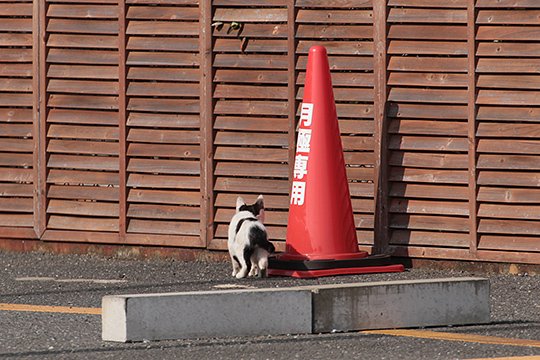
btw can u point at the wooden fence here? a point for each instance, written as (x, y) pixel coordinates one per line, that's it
(140, 121)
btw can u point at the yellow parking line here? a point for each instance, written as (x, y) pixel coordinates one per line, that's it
(51, 309)
(457, 337)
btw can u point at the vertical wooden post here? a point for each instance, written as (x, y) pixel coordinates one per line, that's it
(39, 85)
(471, 114)
(206, 122)
(291, 82)
(122, 117)
(380, 136)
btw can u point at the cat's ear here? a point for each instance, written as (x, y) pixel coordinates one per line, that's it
(260, 202)
(259, 206)
(239, 203)
(260, 217)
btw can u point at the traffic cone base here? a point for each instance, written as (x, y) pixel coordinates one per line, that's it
(308, 257)
(306, 274)
(321, 232)
(283, 266)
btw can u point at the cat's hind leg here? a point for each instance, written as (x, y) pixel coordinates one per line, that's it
(262, 263)
(245, 262)
(254, 268)
(235, 265)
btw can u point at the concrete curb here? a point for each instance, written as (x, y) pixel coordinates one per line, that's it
(304, 309)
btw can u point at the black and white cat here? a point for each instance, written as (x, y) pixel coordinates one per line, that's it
(248, 241)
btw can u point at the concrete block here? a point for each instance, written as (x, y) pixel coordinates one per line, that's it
(206, 314)
(397, 304)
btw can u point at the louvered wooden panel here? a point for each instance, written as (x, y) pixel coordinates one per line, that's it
(508, 131)
(427, 131)
(16, 116)
(346, 30)
(250, 113)
(162, 120)
(81, 118)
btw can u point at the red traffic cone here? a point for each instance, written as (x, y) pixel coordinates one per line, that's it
(321, 235)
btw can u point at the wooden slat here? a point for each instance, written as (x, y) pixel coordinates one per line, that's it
(161, 73)
(253, 155)
(163, 120)
(427, 47)
(508, 65)
(105, 163)
(163, 227)
(512, 114)
(450, 177)
(498, 178)
(495, 226)
(406, 15)
(428, 160)
(83, 71)
(427, 64)
(511, 243)
(83, 11)
(529, 17)
(447, 96)
(163, 13)
(406, 206)
(250, 123)
(136, 58)
(83, 41)
(350, 16)
(251, 169)
(430, 3)
(250, 30)
(427, 111)
(83, 132)
(507, 4)
(530, 33)
(429, 238)
(427, 32)
(159, 166)
(163, 181)
(425, 222)
(338, 31)
(82, 27)
(97, 193)
(156, 27)
(335, 4)
(250, 15)
(428, 143)
(163, 105)
(507, 97)
(83, 208)
(498, 49)
(164, 197)
(424, 127)
(508, 195)
(428, 191)
(164, 150)
(510, 162)
(509, 211)
(82, 223)
(509, 81)
(172, 212)
(83, 87)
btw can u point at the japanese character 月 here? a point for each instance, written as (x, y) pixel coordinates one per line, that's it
(306, 114)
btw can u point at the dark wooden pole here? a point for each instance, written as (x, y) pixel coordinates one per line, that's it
(380, 136)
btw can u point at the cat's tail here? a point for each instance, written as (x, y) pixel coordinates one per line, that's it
(259, 238)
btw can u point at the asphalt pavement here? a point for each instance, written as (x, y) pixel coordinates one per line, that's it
(38, 291)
